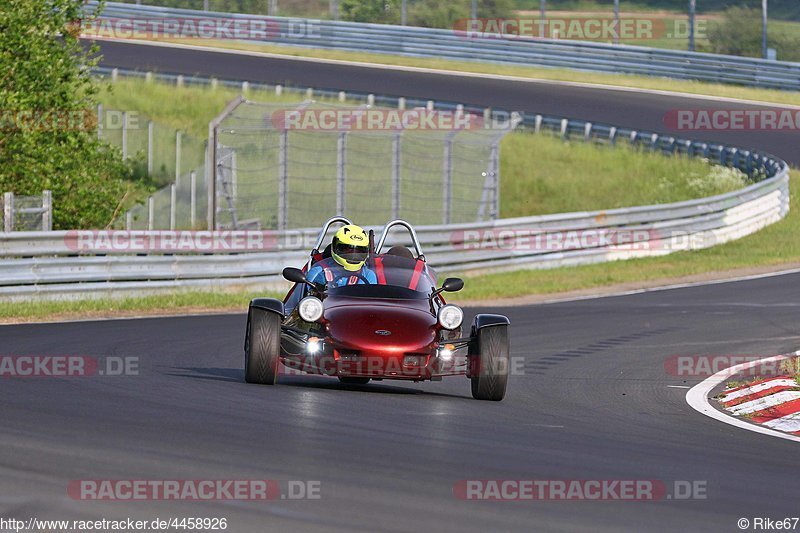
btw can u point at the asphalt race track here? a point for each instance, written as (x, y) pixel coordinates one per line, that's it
(594, 402)
(622, 108)
(594, 399)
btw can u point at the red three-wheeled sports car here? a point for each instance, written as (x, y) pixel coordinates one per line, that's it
(399, 328)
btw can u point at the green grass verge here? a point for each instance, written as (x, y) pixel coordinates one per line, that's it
(621, 80)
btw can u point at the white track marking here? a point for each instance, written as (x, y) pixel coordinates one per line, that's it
(766, 402)
(457, 73)
(747, 391)
(678, 387)
(790, 423)
(697, 398)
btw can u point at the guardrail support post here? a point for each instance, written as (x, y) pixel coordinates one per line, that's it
(342, 96)
(396, 139)
(341, 142)
(283, 180)
(151, 213)
(150, 132)
(47, 210)
(124, 135)
(173, 204)
(178, 138)
(401, 103)
(192, 199)
(8, 211)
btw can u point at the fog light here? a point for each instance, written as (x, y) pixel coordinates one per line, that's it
(446, 352)
(314, 345)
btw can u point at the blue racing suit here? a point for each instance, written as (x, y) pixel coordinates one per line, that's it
(329, 272)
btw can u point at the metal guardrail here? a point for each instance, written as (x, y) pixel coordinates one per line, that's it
(457, 45)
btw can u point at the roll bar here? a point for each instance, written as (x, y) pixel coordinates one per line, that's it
(411, 231)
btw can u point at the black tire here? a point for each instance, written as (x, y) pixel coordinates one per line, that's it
(353, 380)
(262, 354)
(493, 361)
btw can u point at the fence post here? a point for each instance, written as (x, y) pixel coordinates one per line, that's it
(341, 141)
(128, 221)
(192, 199)
(447, 178)
(150, 133)
(151, 213)
(8, 211)
(211, 163)
(494, 164)
(47, 213)
(283, 180)
(173, 204)
(178, 136)
(99, 121)
(396, 175)
(124, 135)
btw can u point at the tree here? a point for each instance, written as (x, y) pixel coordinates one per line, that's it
(47, 115)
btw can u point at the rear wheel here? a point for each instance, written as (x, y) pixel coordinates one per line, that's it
(263, 349)
(353, 380)
(490, 370)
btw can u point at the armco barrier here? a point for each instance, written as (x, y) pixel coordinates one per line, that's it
(455, 45)
(51, 267)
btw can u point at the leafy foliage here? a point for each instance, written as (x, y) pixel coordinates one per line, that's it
(739, 33)
(45, 72)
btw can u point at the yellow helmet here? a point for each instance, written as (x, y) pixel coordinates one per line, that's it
(350, 247)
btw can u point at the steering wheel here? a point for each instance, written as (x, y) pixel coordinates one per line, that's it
(348, 276)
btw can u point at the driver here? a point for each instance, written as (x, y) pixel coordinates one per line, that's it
(349, 251)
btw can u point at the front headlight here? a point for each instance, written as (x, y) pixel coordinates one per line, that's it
(450, 316)
(310, 309)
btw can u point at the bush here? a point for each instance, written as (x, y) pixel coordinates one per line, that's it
(46, 74)
(739, 34)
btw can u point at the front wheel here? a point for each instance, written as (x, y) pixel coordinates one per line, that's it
(490, 364)
(262, 352)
